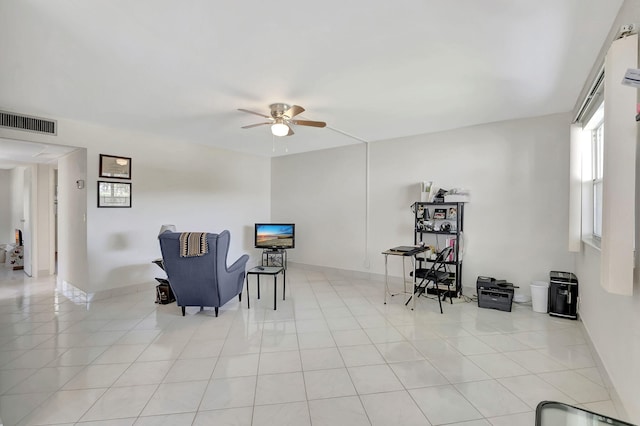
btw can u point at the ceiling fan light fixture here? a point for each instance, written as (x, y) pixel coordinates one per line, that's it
(279, 129)
(282, 119)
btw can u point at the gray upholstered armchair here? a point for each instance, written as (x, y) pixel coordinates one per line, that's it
(203, 280)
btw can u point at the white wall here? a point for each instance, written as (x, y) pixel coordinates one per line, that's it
(36, 228)
(28, 225)
(17, 199)
(515, 225)
(43, 213)
(517, 174)
(72, 230)
(613, 321)
(6, 230)
(195, 187)
(323, 192)
(613, 324)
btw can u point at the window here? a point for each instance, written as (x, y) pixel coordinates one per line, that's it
(597, 140)
(603, 175)
(592, 176)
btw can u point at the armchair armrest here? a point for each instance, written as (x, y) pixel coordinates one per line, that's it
(239, 264)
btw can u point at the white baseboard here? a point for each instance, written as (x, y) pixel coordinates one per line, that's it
(622, 412)
(346, 273)
(79, 296)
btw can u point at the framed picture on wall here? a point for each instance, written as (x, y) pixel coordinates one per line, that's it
(114, 194)
(115, 167)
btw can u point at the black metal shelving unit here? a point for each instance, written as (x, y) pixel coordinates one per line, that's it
(427, 230)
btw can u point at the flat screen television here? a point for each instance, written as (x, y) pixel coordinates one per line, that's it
(275, 235)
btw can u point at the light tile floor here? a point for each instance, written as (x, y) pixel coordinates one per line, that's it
(332, 354)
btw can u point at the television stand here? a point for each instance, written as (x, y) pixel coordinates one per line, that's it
(274, 257)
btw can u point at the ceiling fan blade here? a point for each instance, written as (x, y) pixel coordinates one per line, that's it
(290, 131)
(309, 123)
(255, 125)
(253, 112)
(293, 111)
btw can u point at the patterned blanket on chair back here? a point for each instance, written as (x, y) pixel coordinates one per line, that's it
(193, 244)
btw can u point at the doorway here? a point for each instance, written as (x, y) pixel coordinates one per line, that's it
(32, 200)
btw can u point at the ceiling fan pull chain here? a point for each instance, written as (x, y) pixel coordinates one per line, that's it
(273, 143)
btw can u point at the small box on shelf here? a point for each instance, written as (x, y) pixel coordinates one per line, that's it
(456, 198)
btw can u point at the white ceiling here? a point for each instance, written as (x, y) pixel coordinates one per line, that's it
(371, 69)
(14, 153)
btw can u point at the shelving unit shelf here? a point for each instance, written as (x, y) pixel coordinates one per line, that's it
(274, 257)
(437, 232)
(427, 230)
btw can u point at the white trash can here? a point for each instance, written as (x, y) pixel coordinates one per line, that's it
(540, 296)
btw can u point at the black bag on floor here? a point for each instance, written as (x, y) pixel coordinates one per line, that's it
(164, 294)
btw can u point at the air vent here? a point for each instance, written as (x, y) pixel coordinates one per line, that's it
(27, 123)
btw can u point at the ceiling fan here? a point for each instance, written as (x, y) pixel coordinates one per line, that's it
(281, 119)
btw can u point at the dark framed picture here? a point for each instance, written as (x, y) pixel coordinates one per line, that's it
(452, 213)
(440, 214)
(115, 167)
(114, 194)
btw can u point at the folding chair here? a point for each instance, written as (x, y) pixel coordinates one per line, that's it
(437, 274)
